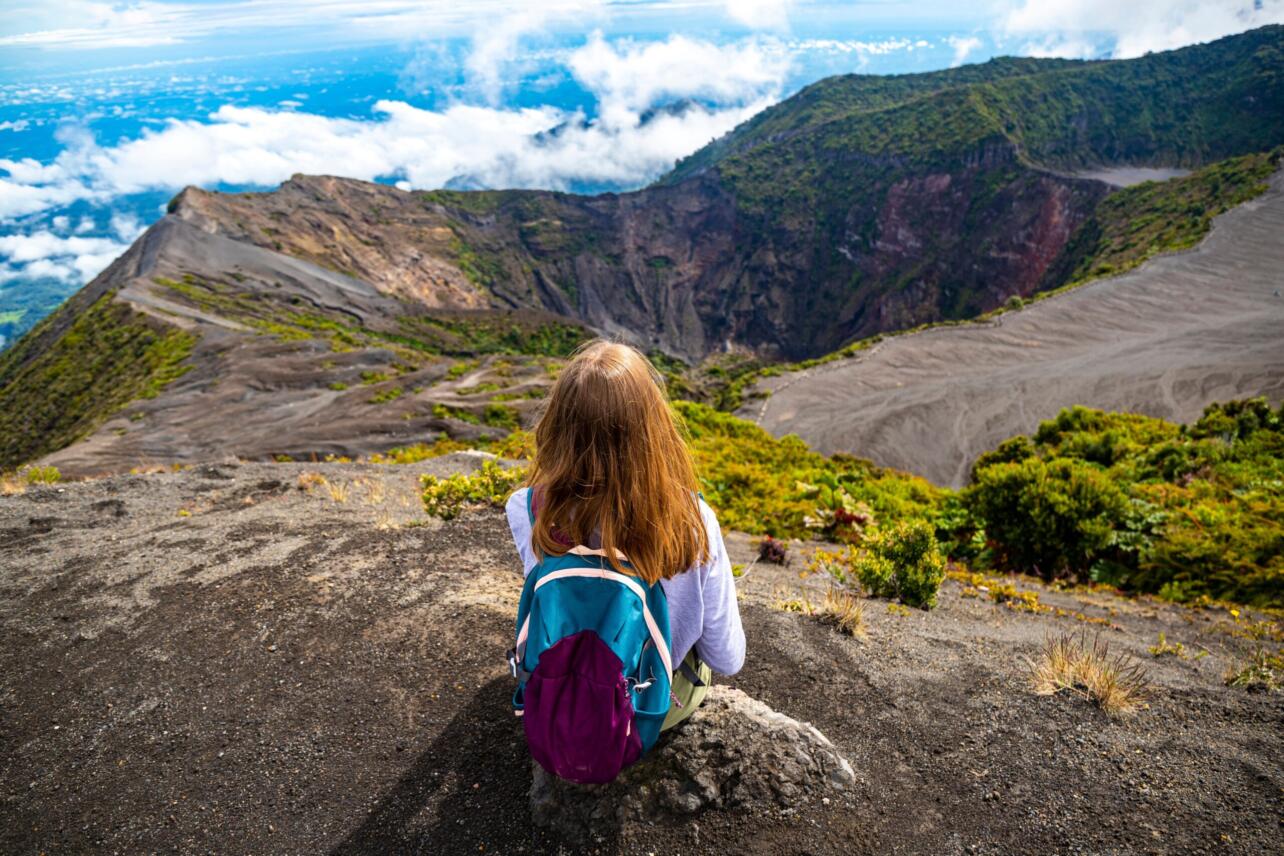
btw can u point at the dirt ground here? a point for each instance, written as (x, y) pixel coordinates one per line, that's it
(221, 661)
(1165, 339)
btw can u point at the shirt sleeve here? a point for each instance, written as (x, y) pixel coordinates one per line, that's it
(722, 638)
(519, 523)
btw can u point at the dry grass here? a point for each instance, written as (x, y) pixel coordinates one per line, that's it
(336, 490)
(841, 609)
(11, 484)
(1113, 682)
(374, 491)
(311, 481)
(845, 611)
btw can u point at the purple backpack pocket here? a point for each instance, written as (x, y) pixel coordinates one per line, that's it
(578, 713)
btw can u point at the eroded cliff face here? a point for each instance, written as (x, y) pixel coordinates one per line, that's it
(683, 268)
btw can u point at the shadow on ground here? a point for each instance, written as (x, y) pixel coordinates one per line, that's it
(468, 789)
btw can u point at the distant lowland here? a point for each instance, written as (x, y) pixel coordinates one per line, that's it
(344, 318)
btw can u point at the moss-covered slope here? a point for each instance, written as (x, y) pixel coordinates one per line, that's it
(107, 356)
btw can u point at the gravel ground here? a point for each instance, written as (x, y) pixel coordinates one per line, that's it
(220, 661)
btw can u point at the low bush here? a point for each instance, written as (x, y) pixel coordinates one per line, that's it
(903, 562)
(910, 552)
(777, 486)
(1186, 512)
(41, 475)
(489, 485)
(1053, 518)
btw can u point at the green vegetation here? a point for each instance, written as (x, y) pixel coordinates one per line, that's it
(482, 268)
(778, 486)
(500, 416)
(445, 411)
(490, 485)
(1135, 223)
(903, 562)
(488, 386)
(496, 332)
(1054, 519)
(458, 370)
(417, 337)
(1139, 503)
(1264, 672)
(386, 395)
(58, 386)
(41, 475)
(1134, 502)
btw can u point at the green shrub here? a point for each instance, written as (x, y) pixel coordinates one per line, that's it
(777, 486)
(57, 387)
(490, 485)
(876, 574)
(500, 416)
(41, 475)
(1143, 504)
(1052, 518)
(903, 562)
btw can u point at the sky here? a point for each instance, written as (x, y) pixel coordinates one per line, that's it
(109, 108)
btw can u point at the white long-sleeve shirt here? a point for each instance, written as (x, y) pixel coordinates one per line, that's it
(703, 611)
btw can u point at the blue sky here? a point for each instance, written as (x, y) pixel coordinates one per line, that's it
(107, 109)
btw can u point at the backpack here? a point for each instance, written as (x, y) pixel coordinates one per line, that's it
(592, 664)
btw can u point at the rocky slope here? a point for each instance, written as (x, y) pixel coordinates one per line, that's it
(247, 658)
(1165, 339)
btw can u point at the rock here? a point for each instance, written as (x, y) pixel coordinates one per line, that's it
(735, 752)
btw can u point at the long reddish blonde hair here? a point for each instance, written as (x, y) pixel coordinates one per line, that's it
(610, 460)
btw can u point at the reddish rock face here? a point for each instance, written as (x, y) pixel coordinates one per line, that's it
(681, 268)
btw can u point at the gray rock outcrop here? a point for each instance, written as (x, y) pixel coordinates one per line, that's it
(735, 752)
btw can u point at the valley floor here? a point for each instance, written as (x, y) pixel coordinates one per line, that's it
(283, 658)
(1165, 340)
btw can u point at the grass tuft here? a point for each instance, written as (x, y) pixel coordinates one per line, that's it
(1113, 682)
(845, 611)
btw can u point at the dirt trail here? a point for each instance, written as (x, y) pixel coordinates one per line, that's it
(217, 660)
(1165, 340)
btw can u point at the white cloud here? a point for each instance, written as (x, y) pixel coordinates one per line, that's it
(630, 77)
(1083, 28)
(760, 14)
(44, 255)
(488, 146)
(963, 46)
(49, 24)
(496, 44)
